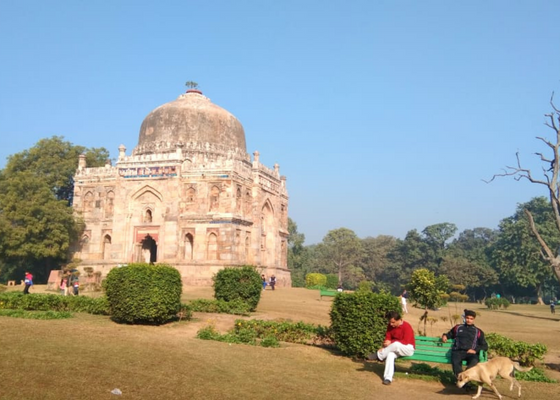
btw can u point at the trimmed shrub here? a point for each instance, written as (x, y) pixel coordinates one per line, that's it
(264, 333)
(283, 331)
(238, 283)
(495, 303)
(144, 293)
(524, 352)
(33, 302)
(315, 279)
(54, 302)
(358, 321)
(235, 307)
(96, 306)
(35, 314)
(332, 281)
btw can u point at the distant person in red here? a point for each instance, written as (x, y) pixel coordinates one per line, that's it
(28, 282)
(399, 342)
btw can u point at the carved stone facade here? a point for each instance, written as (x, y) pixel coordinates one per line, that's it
(189, 196)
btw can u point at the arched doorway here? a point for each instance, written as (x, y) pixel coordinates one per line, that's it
(149, 250)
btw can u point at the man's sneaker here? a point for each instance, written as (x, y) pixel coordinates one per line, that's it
(372, 356)
(386, 382)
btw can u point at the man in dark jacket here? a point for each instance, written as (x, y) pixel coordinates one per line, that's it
(469, 341)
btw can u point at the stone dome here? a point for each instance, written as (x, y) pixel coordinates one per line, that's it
(194, 123)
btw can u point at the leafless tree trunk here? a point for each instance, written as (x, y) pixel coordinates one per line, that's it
(549, 181)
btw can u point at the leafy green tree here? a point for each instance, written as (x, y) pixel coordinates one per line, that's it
(37, 226)
(342, 250)
(376, 251)
(298, 255)
(36, 229)
(475, 277)
(473, 244)
(517, 254)
(55, 161)
(428, 290)
(406, 256)
(436, 237)
(467, 261)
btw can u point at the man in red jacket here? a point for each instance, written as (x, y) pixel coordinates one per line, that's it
(399, 342)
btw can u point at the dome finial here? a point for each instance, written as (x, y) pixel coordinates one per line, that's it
(192, 87)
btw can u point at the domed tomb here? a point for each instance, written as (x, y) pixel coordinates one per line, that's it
(194, 122)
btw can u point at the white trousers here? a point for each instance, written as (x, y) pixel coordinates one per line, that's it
(390, 353)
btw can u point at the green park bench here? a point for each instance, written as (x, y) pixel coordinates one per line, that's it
(327, 292)
(432, 349)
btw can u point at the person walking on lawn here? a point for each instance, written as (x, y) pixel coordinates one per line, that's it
(399, 342)
(469, 341)
(28, 280)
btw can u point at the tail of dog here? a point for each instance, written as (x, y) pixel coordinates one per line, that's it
(520, 368)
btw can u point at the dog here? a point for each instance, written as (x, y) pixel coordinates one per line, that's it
(487, 372)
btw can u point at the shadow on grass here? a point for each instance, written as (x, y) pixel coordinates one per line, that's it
(529, 315)
(555, 367)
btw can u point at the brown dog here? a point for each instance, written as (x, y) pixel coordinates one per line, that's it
(487, 372)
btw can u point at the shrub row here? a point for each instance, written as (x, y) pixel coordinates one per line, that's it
(54, 302)
(283, 331)
(245, 337)
(35, 314)
(524, 352)
(235, 307)
(265, 333)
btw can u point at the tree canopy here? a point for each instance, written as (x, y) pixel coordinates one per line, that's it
(517, 254)
(342, 250)
(37, 224)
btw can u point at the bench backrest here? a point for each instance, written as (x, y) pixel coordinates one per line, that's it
(434, 350)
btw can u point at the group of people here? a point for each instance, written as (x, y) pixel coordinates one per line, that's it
(271, 282)
(69, 285)
(399, 341)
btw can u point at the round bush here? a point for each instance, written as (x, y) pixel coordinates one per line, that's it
(144, 293)
(358, 321)
(315, 279)
(238, 283)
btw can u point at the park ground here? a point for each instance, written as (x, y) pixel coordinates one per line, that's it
(87, 356)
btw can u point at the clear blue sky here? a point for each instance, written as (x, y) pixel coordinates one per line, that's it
(385, 116)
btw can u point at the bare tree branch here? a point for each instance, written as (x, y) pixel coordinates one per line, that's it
(548, 253)
(551, 173)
